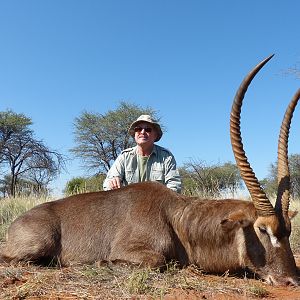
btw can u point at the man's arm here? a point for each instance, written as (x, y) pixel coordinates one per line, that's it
(115, 175)
(172, 177)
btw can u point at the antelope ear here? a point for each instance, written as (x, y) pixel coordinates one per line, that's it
(235, 220)
(292, 214)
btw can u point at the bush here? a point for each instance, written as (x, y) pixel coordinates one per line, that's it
(79, 185)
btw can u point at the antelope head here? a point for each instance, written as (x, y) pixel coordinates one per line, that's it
(272, 226)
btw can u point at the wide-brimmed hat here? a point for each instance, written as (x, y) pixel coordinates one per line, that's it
(147, 119)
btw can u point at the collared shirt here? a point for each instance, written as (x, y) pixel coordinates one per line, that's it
(161, 167)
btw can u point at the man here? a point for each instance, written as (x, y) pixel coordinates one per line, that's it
(146, 161)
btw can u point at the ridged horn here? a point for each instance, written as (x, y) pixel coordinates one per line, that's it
(262, 204)
(283, 173)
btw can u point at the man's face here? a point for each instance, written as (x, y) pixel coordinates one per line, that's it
(145, 133)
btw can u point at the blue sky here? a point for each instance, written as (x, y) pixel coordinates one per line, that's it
(183, 58)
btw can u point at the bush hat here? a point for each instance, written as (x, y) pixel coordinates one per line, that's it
(147, 119)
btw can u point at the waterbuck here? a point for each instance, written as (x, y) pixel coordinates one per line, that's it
(148, 224)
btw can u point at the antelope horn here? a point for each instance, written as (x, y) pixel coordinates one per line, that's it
(283, 174)
(262, 204)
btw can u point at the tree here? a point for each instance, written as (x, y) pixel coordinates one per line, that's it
(42, 165)
(11, 123)
(24, 187)
(210, 181)
(23, 156)
(270, 183)
(79, 185)
(100, 138)
(294, 164)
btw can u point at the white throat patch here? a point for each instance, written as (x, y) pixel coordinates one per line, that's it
(273, 238)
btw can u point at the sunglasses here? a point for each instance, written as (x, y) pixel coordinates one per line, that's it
(139, 129)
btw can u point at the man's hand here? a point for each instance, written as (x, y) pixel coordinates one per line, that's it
(114, 183)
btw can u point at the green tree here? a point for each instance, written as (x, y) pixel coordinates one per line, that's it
(79, 185)
(11, 124)
(210, 181)
(270, 183)
(100, 138)
(23, 156)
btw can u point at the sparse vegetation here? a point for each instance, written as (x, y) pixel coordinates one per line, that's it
(258, 291)
(120, 282)
(210, 181)
(295, 235)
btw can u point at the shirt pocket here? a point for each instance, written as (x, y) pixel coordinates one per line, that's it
(157, 174)
(129, 176)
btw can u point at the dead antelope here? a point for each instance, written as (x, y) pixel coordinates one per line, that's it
(149, 224)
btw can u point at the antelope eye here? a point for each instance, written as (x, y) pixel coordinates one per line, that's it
(262, 229)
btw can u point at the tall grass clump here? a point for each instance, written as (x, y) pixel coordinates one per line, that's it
(11, 208)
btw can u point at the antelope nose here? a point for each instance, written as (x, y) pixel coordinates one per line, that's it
(292, 282)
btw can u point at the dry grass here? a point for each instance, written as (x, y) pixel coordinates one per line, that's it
(120, 282)
(11, 208)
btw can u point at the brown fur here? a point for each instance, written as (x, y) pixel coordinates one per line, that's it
(149, 224)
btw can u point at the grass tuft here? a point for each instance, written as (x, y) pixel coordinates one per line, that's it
(258, 291)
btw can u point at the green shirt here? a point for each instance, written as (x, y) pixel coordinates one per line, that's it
(142, 165)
